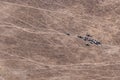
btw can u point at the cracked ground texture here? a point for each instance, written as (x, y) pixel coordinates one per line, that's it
(34, 44)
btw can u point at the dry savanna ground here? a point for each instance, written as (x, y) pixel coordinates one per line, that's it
(34, 44)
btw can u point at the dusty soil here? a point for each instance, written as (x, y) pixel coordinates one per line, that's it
(34, 44)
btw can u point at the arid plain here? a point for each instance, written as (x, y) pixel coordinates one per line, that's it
(34, 44)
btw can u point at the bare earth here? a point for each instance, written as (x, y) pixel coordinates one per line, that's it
(34, 44)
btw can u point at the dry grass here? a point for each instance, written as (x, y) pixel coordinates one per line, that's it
(34, 44)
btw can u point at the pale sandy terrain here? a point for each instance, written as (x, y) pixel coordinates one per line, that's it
(34, 44)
